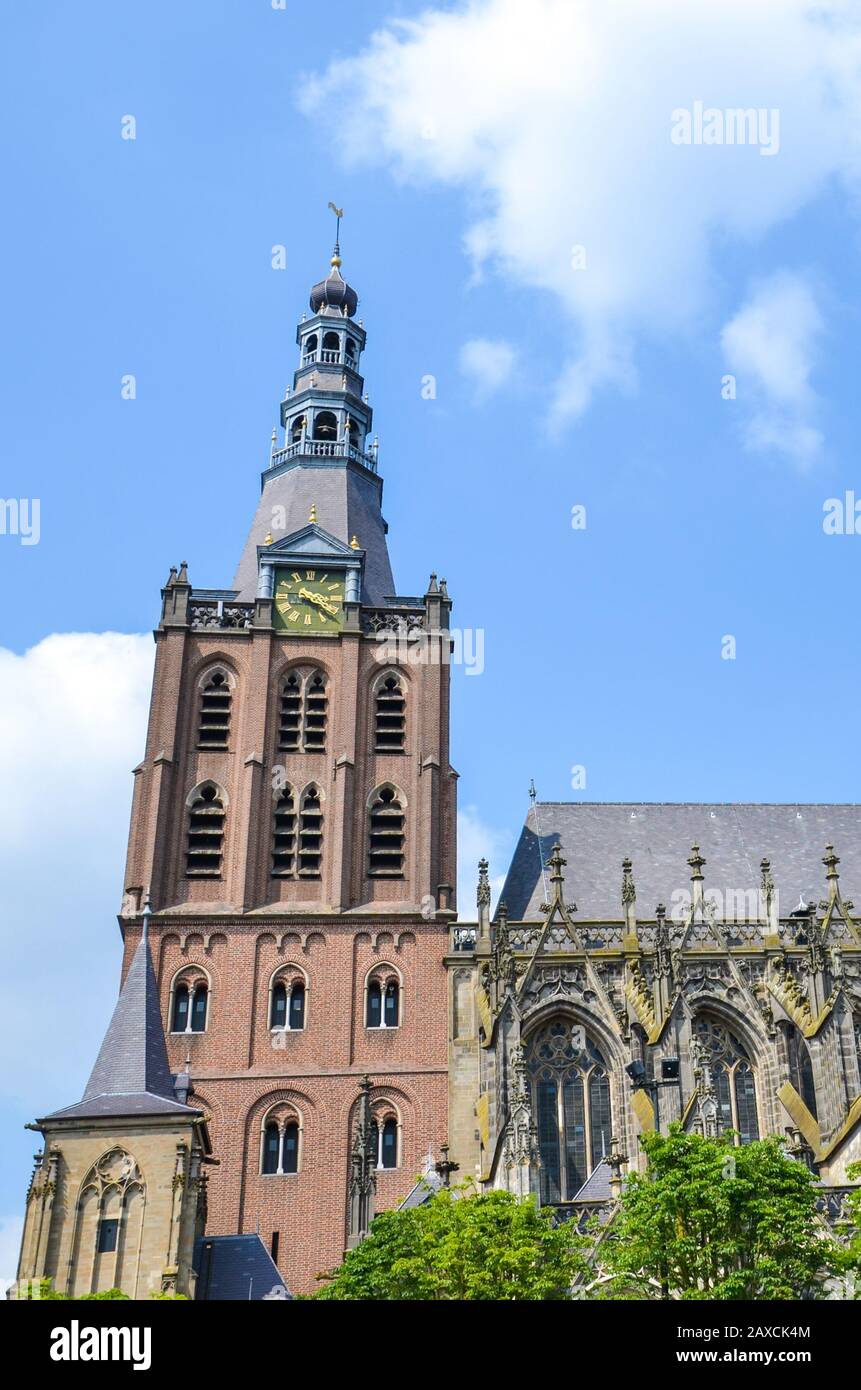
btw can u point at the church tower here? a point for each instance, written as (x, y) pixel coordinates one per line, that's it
(294, 824)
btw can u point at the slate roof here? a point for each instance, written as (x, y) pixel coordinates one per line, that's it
(232, 1267)
(428, 1184)
(657, 837)
(347, 503)
(132, 1075)
(596, 1188)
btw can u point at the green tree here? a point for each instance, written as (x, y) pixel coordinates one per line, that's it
(708, 1220)
(462, 1245)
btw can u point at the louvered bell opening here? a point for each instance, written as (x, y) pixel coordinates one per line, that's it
(316, 702)
(291, 716)
(311, 837)
(214, 727)
(284, 839)
(205, 839)
(391, 717)
(387, 839)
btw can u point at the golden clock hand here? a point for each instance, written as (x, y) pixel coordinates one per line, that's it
(320, 602)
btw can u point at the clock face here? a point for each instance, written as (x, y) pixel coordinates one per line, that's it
(309, 601)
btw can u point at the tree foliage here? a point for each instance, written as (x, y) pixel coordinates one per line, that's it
(708, 1220)
(462, 1245)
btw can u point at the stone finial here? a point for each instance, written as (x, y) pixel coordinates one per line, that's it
(830, 860)
(171, 579)
(483, 891)
(182, 577)
(616, 1160)
(433, 587)
(696, 862)
(443, 589)
(556, 863)
(629, 892)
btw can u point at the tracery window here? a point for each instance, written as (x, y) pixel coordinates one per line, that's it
(732, 1078)
(190, 1004)
(571, 1104)
(800, 1066)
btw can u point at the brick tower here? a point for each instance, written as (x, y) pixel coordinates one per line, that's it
(294, 824)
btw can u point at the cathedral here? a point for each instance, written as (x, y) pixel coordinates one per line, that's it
(307, 1031)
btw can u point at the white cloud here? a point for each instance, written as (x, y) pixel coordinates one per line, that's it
(10, 1247)
(476, 839)
(555, 117)
(72, 726)
(770, 347)
(489, 363)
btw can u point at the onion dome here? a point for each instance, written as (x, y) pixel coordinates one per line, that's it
(334, 292)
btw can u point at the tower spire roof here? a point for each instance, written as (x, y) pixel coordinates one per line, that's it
(132, 1074)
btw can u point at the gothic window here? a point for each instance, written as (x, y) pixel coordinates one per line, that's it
(732, 1079)
(215, 700)
(800, 1067)
(571, 1099)
(287, 1005)
(284, 835)
(390, 716)
(386, 838)
(325, 425)
(310, 834)
(280, 1149)
(304, 710)
(189, 1010)
(382, 999)
(205, 833)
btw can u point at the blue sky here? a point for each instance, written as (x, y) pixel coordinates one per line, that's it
(473, 153)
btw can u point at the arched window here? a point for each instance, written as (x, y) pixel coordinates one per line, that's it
(284, 835)
(213, 729)
(310, 834)
(179, 1023)
(732, 1078)
(189, 1011)
(571, 1104)
(198, 1009)
(310, 352)
(304, 709)
(386, 838)
(271, 1148)
(287, 1007)
(325, 425)
(800, 1067)
(390, 716)
(384, 1142)
(296, 429)
(278, 1008)
(205, 833)
(331, 347)
(374, 1006)
(351, 352)
(382, 999)
(281, 1136)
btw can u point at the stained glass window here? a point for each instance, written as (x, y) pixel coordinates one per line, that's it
(571, 1096)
